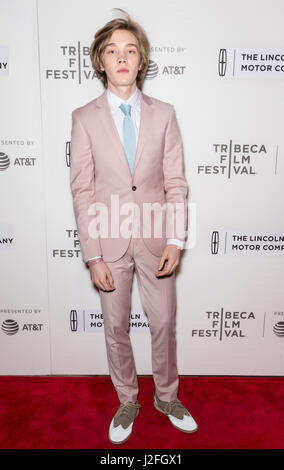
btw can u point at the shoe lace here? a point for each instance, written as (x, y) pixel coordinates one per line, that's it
(175, 405)
(125, 408)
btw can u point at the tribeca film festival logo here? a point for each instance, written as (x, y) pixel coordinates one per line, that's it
(248, 62)
(99, 227)
(78, 66)
(231, 324)
(224, 324)
(246, 243)
(236, 160)
(91, 321)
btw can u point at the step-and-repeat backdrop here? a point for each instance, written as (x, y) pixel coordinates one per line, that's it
(221, 64)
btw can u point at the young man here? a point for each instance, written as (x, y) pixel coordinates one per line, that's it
(126, 151)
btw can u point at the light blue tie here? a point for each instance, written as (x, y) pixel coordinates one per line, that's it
(129, 136)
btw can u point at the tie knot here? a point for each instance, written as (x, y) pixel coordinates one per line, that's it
(126, 109)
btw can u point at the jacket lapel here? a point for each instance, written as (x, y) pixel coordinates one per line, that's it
(112, 134)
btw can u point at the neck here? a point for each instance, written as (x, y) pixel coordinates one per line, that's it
(124, 92)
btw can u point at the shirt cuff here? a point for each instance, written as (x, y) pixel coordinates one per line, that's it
(95, 257)
(174, 241)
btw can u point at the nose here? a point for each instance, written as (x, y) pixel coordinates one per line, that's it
(122, 58)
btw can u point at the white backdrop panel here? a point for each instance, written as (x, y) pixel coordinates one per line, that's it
(223, 71)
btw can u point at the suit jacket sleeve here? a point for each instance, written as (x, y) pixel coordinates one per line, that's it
(175, 183)
(82, 182)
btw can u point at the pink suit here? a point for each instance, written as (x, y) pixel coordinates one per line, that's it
(99, 171)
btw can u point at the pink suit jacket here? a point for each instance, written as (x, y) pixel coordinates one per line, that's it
(99, 171)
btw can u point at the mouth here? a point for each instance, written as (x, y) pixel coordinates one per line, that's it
(122, 71)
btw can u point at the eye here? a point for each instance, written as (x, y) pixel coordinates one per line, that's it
(132, 50)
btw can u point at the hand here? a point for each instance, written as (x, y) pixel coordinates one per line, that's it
(101, 276)
(172, 254)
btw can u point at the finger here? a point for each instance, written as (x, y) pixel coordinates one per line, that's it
(102, 282)
(108, 273)
(106, 284)
(162, 262)
(166, 270)
(170, 261)
(99, 285)
(173, 268)
(96, 281)
(109, 281)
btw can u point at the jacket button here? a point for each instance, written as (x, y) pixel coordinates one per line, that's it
(133, 188)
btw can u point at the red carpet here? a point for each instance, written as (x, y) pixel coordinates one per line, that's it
(75, 412)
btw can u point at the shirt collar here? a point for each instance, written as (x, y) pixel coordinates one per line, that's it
(115, 101)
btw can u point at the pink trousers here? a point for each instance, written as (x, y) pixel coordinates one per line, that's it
(158, 300)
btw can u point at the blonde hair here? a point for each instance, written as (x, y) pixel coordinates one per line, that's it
(102, 36)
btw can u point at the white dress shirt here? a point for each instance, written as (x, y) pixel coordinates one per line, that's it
(114, 102)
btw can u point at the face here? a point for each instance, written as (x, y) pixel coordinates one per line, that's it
(121, 52)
